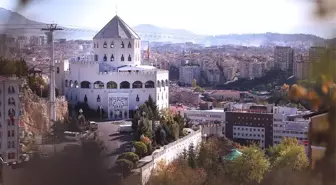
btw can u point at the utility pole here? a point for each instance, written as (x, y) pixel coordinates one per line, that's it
(52, 95)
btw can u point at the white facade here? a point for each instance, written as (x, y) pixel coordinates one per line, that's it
(288, 123)
(206, 116)
(9, 119)
(115, 68)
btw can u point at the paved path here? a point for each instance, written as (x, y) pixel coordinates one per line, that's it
(114, 142)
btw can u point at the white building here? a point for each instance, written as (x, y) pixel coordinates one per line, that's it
(289, 123)
(114, 77)
(205, 116)
(9, 119)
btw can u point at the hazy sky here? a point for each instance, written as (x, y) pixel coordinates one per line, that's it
(199, 16)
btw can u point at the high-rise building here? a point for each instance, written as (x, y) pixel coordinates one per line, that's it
(284, 58)
(189, 73)
(9, 118)
(302, 67)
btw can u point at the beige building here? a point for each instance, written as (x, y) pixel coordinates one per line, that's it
(9, 118)
(283, 58)
(302, 67)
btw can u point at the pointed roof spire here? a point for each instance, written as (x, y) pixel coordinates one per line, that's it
(116, 28)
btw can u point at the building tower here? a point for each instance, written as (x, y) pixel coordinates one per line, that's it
(117, 45)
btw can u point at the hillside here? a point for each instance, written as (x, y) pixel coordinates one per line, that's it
(35, 115)
(19, 24)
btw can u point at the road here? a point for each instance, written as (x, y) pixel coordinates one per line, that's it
(107, 132)
(114, 142)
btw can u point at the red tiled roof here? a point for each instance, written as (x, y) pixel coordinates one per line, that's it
(3, 78)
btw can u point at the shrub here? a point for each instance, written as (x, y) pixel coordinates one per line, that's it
(131, 156)
(125, 166)
(145, 140)
(140, 148)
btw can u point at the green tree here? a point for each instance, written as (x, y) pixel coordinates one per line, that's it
(194, 83)
(131, 156)
(192, 156)
(125, 166)
(140, 148)
(248, 168)
(289, 154)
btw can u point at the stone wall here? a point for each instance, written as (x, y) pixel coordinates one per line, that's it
(169, 153)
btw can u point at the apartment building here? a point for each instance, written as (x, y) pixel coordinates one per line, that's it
(252, 69)
(302, 67)
(189, 73)
(9, 118)
(316, 53)
(290, 123)
(250, 123)
(284, 58)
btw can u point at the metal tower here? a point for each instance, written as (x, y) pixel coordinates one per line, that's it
(52, 92)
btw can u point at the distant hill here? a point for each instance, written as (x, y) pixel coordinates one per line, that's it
(19, 25)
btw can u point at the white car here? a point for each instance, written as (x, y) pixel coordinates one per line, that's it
(74, 136)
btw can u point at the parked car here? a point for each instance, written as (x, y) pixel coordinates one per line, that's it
(74, 136)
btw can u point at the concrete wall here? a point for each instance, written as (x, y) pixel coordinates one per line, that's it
(169, 153)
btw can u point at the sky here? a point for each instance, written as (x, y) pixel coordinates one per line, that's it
(209, 17)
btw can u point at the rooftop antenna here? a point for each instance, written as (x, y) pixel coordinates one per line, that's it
(116, 6)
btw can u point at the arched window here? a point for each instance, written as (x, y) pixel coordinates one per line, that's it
(122, 57)
(122, 44)
(137, 99)
(11, 101)
(167, 82)
(158, 84)
(125, 85)
(105, 45)
(70, 83)
(98, 98)
(163, 83)
(111, 85)
(129, 45)
(85, 85)
(137, 85)
(112, 58)
(129, 58)
(94, 45)
(11, 90)
(98, 85)
(149, 84)
(105, 57)
(97, 45)
(66, 83)
(11, 112)
(76, 84)
(112, 45)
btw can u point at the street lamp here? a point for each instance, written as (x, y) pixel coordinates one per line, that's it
(101, 111)
(1, 170)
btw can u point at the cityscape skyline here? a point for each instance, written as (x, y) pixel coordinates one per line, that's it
(279, 16)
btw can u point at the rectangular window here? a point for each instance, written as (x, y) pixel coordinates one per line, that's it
(8, 144)
(96, 57)
(13, 133)
(8, 133)
(13, 144)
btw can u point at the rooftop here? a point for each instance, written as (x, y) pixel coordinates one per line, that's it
(116, 28)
